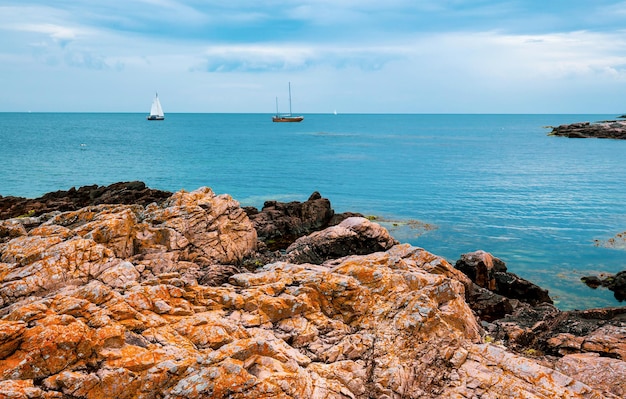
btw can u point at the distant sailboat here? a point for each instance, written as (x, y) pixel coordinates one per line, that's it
(156, 112)
(286, 117)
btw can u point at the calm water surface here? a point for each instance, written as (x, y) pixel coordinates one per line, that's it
(491, 182)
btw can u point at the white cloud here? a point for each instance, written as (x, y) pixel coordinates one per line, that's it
(344, 47)
(59, 34)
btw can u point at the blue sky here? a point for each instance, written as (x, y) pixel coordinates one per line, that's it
(353, 56)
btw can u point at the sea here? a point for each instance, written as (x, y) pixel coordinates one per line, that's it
(450, 184)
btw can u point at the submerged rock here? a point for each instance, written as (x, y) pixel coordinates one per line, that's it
(614, 282)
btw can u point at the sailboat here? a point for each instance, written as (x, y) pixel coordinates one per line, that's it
(156, 112)
(286, 117)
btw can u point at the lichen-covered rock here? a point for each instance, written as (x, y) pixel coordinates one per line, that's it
(603, 373)
(109, 301)
(122, 244)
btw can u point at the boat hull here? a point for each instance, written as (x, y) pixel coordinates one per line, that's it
(287, 118)
(155, 118)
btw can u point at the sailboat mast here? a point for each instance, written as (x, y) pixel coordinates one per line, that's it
(289, 98)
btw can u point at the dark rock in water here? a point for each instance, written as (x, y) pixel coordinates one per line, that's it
(615, 283)
(600, 130)
(523, 317)
(491, 273)
(592, 281)
(279, 224)
(619, 286)
(127, 193)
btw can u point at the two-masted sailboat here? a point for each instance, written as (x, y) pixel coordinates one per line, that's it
(286, 117)
(156, 112)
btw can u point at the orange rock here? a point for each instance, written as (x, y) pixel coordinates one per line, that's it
(106, 302)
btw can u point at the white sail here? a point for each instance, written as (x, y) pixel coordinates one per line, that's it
(156, 107)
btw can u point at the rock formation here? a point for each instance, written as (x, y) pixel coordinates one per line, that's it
(118, 193)
(600, 130)
(153, 301)
(278, 224)
(521, 315)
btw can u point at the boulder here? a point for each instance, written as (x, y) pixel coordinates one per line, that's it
(491, 273)
(353, 236)
(279, 224)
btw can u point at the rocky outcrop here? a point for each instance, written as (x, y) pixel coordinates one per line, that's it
(491, 273)
(526, 320)
(353, 236)
(114, 301)
(118, 193)
(545, 330)
(279, 224)
(588, 345)
(600, 130)
(121, 244)
(495, 292)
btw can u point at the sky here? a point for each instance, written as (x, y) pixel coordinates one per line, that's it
(349, 56)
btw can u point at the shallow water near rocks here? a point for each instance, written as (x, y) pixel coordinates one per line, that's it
(492, 182)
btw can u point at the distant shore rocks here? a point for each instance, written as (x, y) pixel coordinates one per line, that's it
(601, 130)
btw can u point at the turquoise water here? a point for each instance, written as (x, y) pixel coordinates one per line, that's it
(491, 182)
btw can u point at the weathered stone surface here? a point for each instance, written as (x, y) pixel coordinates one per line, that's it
(112, 301)
(122, 244)
(118, 193)
(600, 130)
(279, 224)
(490, 371)
(491, 273)
(390, 324)
(353, 236)
(547, 330)
(602, 373)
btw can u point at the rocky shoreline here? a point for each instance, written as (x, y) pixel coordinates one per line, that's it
(127, 292)
(602, 130)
